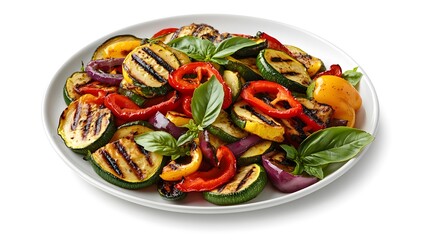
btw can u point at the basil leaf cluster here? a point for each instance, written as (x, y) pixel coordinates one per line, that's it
(330, 145)
(206, 51)
(206, 104)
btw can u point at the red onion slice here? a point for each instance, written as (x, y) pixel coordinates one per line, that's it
(242, 145)
(209, 152)
(97, 70)
(284, 180)
(160, 122)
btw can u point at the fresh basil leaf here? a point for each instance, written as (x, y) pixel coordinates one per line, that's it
(207, 102)
(187, 137)
(314, 171)
(330, 145)
(291, 152)
(158, 141)
(196, 48)
(231, 45)
(220, 61)
(353, 76)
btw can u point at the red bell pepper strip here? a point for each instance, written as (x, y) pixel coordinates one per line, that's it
(188, 77)
(96, 88)
(312, 125)
(186, 105)
(334, 70)
(281, 93)
(213, 178)
(164, 31)
(275, 44)
(125, 109)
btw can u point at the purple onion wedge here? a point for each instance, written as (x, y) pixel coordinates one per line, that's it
(98, 70)
(208, 150)
(160, 122)
(239, 147)
(279, 170)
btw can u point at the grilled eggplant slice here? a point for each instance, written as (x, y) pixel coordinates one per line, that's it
(279, 67)
(126, 164)
(249, 181)
(86, 126)
(147, 67)
(256, 122)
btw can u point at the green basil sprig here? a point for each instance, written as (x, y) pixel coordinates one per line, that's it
(206, 51)
(353, 76)
(330, 145)
(205, 105)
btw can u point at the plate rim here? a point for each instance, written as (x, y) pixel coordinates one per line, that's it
(167, 206)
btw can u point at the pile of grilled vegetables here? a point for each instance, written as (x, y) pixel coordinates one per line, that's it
(133, 112)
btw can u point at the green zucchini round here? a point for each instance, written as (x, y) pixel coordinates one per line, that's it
(278, 66)
(249, 181)
(125, 164)
(225, 129)
(168, 191)
(244, 68)
(86, 126)
(72, 82)
(254, 153)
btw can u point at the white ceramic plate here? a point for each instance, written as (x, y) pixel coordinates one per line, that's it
(367, 117)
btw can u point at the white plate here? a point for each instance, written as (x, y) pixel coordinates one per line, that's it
(367, 116)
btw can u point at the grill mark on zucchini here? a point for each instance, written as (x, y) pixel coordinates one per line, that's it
(76, 117)
(258, 115)
(98, 123)
(148, 68)
(146, 154)
(245, 178)
(279, 59)
(111, 162)
(88, 121)
(158, 59)
(123, 151)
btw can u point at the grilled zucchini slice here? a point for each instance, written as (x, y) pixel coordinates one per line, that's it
(249, 181)
(126, 164)
(147, 67)
(131, 129)
(254, 153)
(86, 126)
(256, 122)
(252, 51)
(234, 81)
(72, 83)
(278, 66)
(224, 128)
(313, 64)
(246, 67)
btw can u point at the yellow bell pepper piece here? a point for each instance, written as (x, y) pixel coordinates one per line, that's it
(175, 171)
(340, 95)
(120, 49)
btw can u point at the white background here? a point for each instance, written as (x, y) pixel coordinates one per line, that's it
(382, 196)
